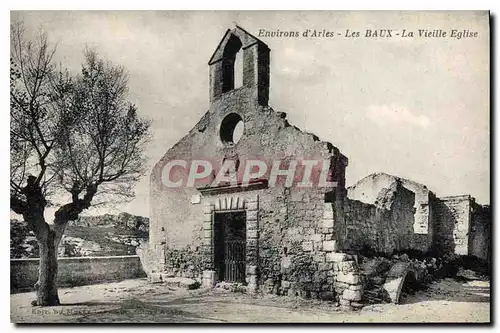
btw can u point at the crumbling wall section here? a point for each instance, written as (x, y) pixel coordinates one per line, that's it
(368, 189)
(384, 227)
(361, 221)
(480, 238)
(453, 215)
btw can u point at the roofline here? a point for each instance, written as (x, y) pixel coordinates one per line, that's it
(257, 41)
(456, 197)
(218, 45)
(253, 36)
(393, 176)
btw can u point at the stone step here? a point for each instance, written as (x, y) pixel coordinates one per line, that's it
(174, 281)
(181, 282)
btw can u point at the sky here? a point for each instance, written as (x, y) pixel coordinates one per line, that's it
(417, 108)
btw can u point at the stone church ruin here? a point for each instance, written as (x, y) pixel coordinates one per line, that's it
(290, 240)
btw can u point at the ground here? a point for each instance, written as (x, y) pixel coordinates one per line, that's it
(136, 300)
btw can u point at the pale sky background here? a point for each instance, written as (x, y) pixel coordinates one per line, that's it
(415, 108)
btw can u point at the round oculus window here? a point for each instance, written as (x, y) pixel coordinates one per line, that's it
(231, 128)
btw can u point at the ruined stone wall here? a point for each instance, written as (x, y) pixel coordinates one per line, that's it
(368, 189)
(398, 232)
(453, 215)
(361, 221)
(384, 227)
(480, 234)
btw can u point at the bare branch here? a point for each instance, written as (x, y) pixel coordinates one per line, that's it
(72, 133)
(32, 117)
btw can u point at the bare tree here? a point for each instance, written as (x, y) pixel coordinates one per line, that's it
(69, 134)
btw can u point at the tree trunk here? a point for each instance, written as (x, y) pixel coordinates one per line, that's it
(46, 286)
(48, 240)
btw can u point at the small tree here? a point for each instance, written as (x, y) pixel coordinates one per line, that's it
(75, 135)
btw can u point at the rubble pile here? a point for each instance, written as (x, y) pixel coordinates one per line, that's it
(385, 279)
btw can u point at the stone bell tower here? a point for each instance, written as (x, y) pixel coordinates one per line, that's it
(255, 65)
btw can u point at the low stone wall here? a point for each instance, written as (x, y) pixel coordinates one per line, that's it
(332, 276)
(76, 271)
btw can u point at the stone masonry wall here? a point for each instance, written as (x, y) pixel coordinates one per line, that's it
(76, 271)
(361, 224)
(368, 189)
(311, 266)
(384, 227)
(267, 136)
(452, 226)
(286, 215)
(480, 238)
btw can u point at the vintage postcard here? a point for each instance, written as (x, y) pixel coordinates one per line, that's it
(250, 166)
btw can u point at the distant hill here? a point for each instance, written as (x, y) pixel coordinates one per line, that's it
(101, 235)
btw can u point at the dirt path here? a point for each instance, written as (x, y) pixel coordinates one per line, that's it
(138, 301)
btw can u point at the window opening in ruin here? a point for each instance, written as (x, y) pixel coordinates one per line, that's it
(238, 131)
(230, 246)
(232, 54)
(238, 70)
(231, 128)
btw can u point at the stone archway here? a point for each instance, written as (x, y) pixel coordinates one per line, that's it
(231, 203)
